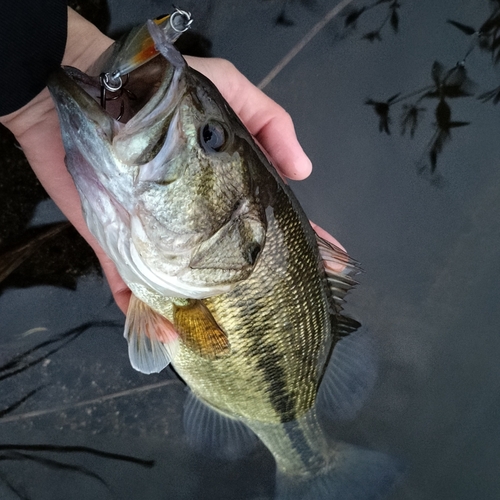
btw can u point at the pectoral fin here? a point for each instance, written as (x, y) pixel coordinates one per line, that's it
(152, 340)
(199, 331)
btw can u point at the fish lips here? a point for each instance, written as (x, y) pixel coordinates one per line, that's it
(74, 95)
(113, 149)
(87, 132)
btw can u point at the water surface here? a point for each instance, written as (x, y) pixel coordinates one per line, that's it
(420, 213)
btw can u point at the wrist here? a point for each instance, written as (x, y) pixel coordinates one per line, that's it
(85, 43)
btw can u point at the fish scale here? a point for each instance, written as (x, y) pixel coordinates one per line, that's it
(276, 370)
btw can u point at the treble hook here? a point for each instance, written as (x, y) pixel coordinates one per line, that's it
(112, 83)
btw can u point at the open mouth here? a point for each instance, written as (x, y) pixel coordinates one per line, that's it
(124, 98)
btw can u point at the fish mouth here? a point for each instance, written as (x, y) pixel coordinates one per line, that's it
(74, 94)
(112, 150)
(146, 100)
(142, 106)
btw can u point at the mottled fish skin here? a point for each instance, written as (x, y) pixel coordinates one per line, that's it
(256, 336)
(278, 326)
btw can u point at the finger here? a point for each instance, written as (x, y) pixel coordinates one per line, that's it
(264, 118)
(276, 133)
(119, 289)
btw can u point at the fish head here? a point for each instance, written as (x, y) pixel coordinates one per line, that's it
(170, 194)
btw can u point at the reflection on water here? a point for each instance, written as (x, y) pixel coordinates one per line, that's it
(31, 455)
(14, 456)
(446, 84)
(380, 13)
(34, 253)
(52, 255)
(390, 16)
(43, 350)
(20, 191)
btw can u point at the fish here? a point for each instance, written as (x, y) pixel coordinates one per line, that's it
(210, 239)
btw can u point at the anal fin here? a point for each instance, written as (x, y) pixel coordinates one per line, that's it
(213, 434)
(152, 339)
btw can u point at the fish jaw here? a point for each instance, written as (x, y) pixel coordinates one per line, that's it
(106, 185)
(87, 132)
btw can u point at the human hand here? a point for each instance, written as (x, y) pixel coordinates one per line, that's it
(36, 128)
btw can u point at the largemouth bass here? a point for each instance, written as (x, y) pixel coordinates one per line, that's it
(207, 236)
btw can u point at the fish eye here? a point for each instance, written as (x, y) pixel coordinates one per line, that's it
(212, 137)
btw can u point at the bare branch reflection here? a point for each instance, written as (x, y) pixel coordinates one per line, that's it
(49, 456)
(446, 85)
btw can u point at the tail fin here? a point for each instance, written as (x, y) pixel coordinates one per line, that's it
(354, 474)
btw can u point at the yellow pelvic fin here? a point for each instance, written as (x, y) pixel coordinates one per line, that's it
(198, 329)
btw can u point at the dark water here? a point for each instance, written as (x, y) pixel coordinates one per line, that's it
(420, 214)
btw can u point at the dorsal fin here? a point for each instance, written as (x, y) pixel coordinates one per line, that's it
(198, 329)
(152, 340)
(339, 268)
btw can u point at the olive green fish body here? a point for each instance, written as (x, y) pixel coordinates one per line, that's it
(278, 326)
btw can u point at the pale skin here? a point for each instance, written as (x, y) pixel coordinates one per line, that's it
(36, 128)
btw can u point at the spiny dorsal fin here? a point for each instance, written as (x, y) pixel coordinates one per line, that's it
(339, 268)
(152, 340)
(199, 331)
